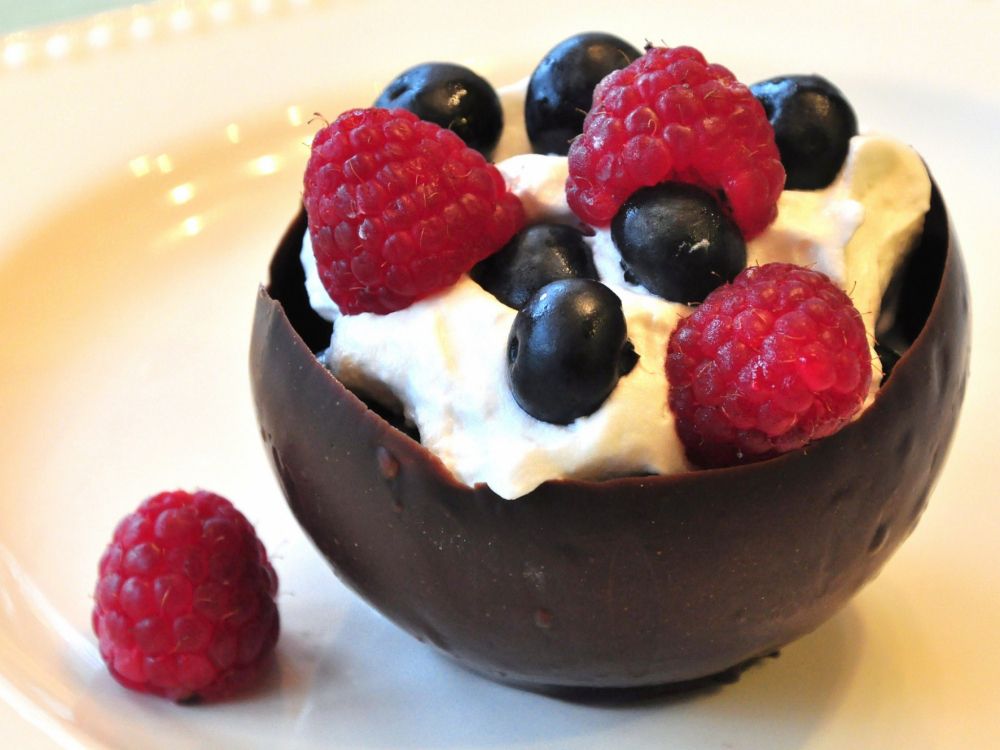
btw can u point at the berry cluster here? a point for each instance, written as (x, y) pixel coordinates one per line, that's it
(680, 159)
(672, 116)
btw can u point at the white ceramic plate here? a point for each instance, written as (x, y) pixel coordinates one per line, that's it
(151, 159)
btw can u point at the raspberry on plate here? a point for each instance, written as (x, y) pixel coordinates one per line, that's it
(184, 605)
(672, 116)
(399, 208)
(765, 365)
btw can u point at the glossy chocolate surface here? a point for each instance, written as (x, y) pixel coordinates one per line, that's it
(628, 582)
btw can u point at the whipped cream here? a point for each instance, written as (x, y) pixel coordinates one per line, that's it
(442, 359)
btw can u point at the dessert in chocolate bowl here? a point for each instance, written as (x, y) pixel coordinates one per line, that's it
(635, 575)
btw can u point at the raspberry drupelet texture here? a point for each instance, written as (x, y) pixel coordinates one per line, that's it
(672, 116)
(765, 365)
(399, 208)
(184, 605)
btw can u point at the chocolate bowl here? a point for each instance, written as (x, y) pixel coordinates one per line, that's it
(628, 582)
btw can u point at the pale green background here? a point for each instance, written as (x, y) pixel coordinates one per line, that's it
(22, 14)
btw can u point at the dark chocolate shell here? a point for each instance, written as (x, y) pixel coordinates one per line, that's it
(628, 582)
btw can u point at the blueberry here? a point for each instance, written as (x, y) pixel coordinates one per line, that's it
(567, 348)
(813, 125)
(675, 240)
(535, 256)
(451, 96)
(561, 88)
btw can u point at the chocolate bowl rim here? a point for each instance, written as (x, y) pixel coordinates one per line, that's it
(642, 481)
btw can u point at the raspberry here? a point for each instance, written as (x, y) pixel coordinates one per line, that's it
(672, 116)
(765, 365)
(399, 208)
(184, 605)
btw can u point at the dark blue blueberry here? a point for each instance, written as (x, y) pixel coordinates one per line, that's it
(561, 88)
(451, 96)
(535, 256)
(813, 125)
(567, 348)
(676, 241)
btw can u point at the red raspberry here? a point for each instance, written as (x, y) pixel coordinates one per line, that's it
(765, 365)
(399, 208)
(185, 599)
(672, 116)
